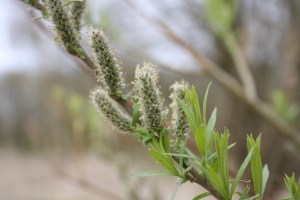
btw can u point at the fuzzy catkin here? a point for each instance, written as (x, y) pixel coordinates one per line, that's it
(111, 110)
(77, 12)
(179, 118)
(108, 67)
(63, 25)
(149, 97)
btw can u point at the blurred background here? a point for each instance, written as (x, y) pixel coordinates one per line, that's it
(54, 146)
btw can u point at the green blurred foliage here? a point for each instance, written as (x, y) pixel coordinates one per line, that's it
(221, 15)
(293, 187)
(287, 110)
(84, 122)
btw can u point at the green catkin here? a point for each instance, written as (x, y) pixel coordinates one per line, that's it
(108, 67)
(64, 26)
(179, 118)
(111, 110)
(149, 97)
(77, 10)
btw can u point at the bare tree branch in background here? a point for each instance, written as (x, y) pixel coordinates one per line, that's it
(290, 133)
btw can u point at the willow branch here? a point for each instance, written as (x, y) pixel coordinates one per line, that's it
(264, 110)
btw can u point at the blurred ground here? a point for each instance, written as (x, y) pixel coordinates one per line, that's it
(40, 177)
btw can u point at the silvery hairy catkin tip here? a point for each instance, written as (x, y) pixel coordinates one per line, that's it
(108, 67)
(179, 118)
(64, 26)
(77, 12)
(111, 110)
(149, 97)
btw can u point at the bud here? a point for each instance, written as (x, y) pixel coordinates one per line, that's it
(179, 118)
(63, 26)
(111, 110)
(149, 97)
(77, 12)
(109, 70)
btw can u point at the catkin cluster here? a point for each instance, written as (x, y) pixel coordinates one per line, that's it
(111, 110)
(108, 67)
(64, 26)
(179, 118)
(149, 96)
(153, 113)
(77, 12)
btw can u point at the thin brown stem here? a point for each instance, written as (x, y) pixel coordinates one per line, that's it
(241, 65)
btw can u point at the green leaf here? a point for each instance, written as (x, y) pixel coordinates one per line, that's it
(179, 182)
(292, 186)
(136, 114)
(265, 176)
(210, 127)
(200, 138)
(142, 131)
(244, 194)
(147, 140)
(164, 161)
(165, 140)
(195, 105)
(216, 182)
(152, 173)
(256, 165)
(181, 155)
(204, 104)
(241, 172)
(213, 156)
(221, 142)
(190, 115)
(201, 196)
(251, 198)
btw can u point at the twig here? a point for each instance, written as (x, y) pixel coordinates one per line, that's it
(241, 66)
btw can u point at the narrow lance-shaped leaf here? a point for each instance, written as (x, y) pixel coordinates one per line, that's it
(256, 165)
(164, 161)
(204, 104)
(200, 138)
(222, 157)
(201, 196)
(241, 172)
